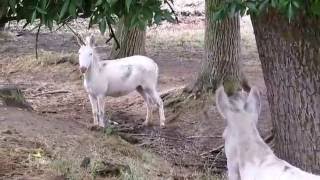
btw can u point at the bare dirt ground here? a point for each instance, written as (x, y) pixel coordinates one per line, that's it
(52, 141)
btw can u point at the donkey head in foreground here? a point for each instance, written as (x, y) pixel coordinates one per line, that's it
(241, 112)
(239, 109)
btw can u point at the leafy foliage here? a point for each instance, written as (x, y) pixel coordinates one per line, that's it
(290, 8)
(102, 12)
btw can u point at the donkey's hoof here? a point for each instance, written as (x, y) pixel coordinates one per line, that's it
(162, 126)
(146, 123)
(95, 128)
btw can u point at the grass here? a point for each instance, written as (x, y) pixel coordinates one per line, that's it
(45, 60)
(109, 149)
(176, 38)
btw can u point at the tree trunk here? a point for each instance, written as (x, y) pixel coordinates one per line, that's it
(3, 12)
(222, 52)
(290, 58)
(132, 41)
(2, 25)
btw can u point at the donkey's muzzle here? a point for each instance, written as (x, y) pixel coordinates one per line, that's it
(83, 70)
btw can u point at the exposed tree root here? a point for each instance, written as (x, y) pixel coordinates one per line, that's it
(12, 96)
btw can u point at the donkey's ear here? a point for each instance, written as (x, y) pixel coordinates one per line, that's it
(90, 40)
(222, 101)
(253, 103)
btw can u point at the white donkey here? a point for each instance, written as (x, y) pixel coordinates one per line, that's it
(248, 156)
(117, 78)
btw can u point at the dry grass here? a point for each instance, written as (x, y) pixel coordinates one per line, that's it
(45, 59)
(183, 37)
(109, 149)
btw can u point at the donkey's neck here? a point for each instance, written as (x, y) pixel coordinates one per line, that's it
(251, 146)
(93, 69)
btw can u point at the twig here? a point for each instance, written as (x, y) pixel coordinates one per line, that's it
(76, 34)
(52, 92)
(37, 38)
(172, 10)
(109, 39)
(64, 23)
(195, 137)
(216, 150)
(113, 34)
(155, 137)
(48, 112)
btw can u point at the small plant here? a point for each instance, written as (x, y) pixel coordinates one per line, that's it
(110, 130)
(62, 167)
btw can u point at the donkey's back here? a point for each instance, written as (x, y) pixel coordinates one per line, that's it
(126, 74)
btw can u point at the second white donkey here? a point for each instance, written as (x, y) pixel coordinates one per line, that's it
(117, 78)
(248, 156)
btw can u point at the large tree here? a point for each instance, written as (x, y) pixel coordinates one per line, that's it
(290, 58)
(222, 52)
(288, 40)
(131, 40)
(3, 13)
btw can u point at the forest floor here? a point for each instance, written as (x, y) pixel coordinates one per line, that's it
(54, 141)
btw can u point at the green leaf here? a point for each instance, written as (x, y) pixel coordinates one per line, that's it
(41, 11)
(73, 8)
(220, 14)
(315, 8)
(290, 11)
(296, 4)
(34, 16)
(102, 26)
(263, 5)
(99, 2)
(64, 9)
(12, 4)
(128, 3)
(252, 6)
(274, 3)
(232, 10)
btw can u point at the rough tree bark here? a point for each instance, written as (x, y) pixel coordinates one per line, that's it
(222, 52)
(2, 25)
(132, 41)
(3, 9)
(290, 58)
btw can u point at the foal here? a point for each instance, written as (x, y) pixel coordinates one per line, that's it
(248, 156)
(117, 78)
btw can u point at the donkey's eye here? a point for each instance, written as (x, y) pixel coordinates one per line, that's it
(90, 54)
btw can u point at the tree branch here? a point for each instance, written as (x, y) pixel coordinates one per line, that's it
(77, 35)
(37, 38)
(112, 35)
(172, 10)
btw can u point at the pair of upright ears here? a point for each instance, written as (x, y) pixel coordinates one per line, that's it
(90, 40)
(251, 104)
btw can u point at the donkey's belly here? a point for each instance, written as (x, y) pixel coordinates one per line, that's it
(116, 91)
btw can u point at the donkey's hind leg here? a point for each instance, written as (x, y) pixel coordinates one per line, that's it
(148, 100)
(156, 98)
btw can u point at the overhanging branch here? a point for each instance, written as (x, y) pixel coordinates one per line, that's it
(112, 35)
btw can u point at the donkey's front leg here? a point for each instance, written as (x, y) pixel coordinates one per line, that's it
(101, 114)
(94, 106)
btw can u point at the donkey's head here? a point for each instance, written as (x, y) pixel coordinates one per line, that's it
(240, 110)
(86, 54)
